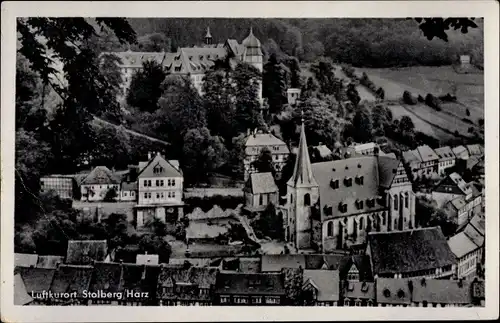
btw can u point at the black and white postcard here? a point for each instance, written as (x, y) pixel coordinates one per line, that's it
(249, 160)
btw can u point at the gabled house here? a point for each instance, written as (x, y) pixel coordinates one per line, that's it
(37, 283)
(244, 289)
(393, 292)
(186, 285)
(356, 268)
(321, 287)
(71, 281)
(461, 152)
(260, 190)
(451, 187)
(475, 150)
(98, 183)
(255, 143)
(160, 190)
(84, 252)
(446, 159)
(420, 252)
(441, 293)
(354, 293)
(128, 191)
(104, 285)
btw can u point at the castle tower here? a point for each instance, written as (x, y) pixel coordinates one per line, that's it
(252, 54)
(302, 195)
(208, 37)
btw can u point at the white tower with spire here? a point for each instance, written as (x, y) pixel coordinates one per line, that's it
(252, 54)
(208, 37)
(302, 195)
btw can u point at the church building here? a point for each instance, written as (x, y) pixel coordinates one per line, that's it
(333, 205)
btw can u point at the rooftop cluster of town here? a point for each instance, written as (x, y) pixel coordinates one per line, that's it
(351, 232)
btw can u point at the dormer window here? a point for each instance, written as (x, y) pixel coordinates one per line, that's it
(370, 202)
(348, 181)
(334, 184)
(342, 207)
(328, 210)
(359, 204)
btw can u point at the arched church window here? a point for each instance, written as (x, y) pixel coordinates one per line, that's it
(329, 230)
(307, 199)
(361, 223)
(406, 200)
(291, 198)
(395, 202)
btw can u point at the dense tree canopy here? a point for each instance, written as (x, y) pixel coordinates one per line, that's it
(274, 84)
(146, 87)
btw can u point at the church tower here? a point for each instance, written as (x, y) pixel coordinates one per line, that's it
(302, 195)
(208, 37)
(252, 54)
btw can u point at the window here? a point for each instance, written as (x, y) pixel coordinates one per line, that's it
(361, 223)
(158, 195)
(334, 184)
(147, 183)
(261, 199)
(291, 198)
(383, 218)
(360, 180)
(132, 193)
(395, 202)
(359, 204)
(348, 181)
(224, 299)
(272, 300)
(256, 300)
(241, 300)
(173, 194)
(307, 200)
(406, 200)
(329, 229)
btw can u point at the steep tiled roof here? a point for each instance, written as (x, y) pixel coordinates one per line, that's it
(326, 282)
(21, 296)
(83, 252)
(25, 260)
(387, 170)
(427, 153)
(71, 278)
(259, 183)
(193, 60)
(165, 167)
(129, 186)
(460, 152)
(274, 263)
(49, 261)
(392, 291)
(475, 149)
(323, 151)
(458, 202)
(442, 291)
(411, 156)
(461, 184)
(36, 279)
(135, 59)
(408, 251)
(445, 153)
(202, 277)
(474, 233)
(362, 263)
(343, 170)
(250, 284)
(265, 139)
(106, 277)
(358, 290)
(100, 175)
(139, 278)
(461, 245)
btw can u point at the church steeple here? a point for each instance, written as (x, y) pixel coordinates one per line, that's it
(302, 173)
(208, 37)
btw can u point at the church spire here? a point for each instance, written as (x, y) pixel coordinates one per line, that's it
(302, 173)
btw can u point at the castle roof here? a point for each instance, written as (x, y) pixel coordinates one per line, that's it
(259, 183)
(409, 251)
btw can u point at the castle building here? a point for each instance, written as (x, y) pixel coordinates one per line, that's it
(194, 62)
(333, 205)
